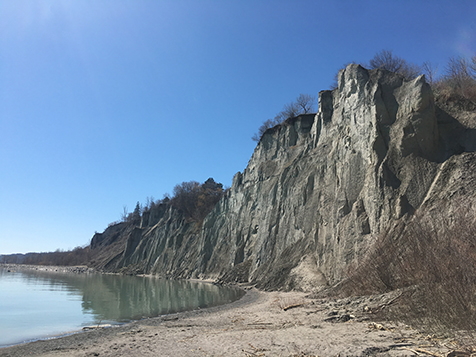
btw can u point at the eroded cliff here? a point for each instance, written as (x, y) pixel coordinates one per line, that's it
(317, 190)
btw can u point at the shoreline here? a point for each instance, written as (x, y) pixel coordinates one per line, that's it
(74, 269)
(43, 346)
(51, 270)
(259, 324)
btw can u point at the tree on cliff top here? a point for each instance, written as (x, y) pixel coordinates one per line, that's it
(459, 80)
(133, 217)
(196, 200)
(304, 104)
(385, 59)
(457, 83)
(137, 212)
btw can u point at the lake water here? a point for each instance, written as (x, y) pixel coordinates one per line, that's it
(38, 304)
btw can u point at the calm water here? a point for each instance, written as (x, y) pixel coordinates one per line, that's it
(37, 304)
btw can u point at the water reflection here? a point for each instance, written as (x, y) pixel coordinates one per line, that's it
(84, 299)
(121, 298)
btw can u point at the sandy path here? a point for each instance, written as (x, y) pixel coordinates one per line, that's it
(256, 325)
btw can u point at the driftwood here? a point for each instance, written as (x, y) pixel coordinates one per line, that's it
(419, 351)
(387, 304)
(94, 327)
(287, 307)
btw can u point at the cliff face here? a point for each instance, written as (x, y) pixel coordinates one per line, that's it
(317, 190)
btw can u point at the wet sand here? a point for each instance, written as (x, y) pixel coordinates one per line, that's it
(259, 324)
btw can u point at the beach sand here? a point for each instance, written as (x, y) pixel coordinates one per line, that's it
(259, 324)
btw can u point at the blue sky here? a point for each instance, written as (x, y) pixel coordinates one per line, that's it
(104, 103)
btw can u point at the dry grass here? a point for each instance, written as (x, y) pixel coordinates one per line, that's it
(453, 89)
(432, 257)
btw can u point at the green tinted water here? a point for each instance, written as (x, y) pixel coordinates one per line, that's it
(38, 304)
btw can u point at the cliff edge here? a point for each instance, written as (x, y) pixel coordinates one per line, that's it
(317, 191)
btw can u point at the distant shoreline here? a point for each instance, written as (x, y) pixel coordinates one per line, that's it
(77, 269)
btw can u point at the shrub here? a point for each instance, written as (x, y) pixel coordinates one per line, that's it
(433, 258)
(459, 80)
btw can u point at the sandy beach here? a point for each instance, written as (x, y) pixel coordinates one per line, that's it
(259, 324)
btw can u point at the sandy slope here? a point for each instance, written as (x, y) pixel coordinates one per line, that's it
(256, 325)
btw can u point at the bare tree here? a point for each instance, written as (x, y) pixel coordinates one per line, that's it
(265, 126)
(124, 214)
(460, 69)
(430, 72)
(304, 104)
(459, 80)
(150, 203)
(385, 59)
(473, 64)
(290, 110)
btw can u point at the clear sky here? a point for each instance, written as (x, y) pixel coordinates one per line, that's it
(104, 103)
